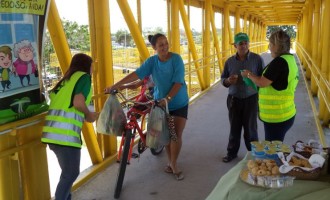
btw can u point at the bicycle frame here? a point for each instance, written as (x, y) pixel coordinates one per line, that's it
(133, 125)
(128, 136)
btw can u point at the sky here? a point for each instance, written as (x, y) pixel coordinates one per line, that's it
(154, 13)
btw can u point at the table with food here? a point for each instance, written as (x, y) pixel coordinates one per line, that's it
(273, 170)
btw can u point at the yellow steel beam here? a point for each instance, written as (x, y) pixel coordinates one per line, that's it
(175, 27)
(251, 27)
(288, 23)
(100, 35)
(191, 42)
(237, 21)
(245, 22)
(9, 170)
(33, 163)
(207, 42)
(225, 33)
(315, 41)
(216, 41)
(323, 112)
(267, 4)
(134, 29)
(58, 38)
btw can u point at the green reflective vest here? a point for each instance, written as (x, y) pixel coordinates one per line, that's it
(63, 124)
(278, 106)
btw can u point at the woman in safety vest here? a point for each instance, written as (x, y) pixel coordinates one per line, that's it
(277, 84)
(68, 110)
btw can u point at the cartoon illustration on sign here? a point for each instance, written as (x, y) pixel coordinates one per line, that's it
(5, 65)
(24, 65)
(22, 28)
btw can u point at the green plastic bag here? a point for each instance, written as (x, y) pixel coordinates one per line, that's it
(250, 83)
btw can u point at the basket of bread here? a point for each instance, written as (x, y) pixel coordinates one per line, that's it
(300, 167)
(307, 149)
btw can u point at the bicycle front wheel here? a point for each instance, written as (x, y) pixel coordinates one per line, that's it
(123, 164)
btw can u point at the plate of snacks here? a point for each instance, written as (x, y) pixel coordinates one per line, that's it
(265, 173)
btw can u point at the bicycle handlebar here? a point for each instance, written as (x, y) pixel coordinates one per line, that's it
(125, 100)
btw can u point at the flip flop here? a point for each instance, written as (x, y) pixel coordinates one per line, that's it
(179, 176)
(168, 169)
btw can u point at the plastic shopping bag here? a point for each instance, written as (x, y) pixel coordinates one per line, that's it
(157, 128)
(112, 118)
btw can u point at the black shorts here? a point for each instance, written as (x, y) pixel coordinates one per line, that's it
(181, 112)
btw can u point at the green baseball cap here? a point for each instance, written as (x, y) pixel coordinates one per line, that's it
(239, 37)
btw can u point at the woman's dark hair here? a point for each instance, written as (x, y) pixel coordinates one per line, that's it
(80, 62)
(153, 38)
(281, 39)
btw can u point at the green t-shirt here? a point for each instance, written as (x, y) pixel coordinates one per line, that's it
(83, 86)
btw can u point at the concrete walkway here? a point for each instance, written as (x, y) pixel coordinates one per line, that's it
(204, 144)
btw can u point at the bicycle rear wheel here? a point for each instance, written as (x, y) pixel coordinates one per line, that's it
(123, 164)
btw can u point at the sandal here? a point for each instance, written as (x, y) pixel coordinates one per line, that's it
(179, 176)
(168, 169)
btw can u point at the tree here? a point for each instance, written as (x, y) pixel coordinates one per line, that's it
(290, 30)
(78, 36)
(48, 47)
(123, 37)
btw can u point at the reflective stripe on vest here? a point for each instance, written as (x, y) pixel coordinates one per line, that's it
(63, 123)
(278, 106)
(57, 137)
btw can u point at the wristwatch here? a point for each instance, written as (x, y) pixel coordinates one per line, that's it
(168, 98)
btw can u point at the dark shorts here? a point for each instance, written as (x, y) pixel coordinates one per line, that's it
(181, 112)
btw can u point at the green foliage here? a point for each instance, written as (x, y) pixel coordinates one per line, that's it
(123, 38)
(290, 30)
(78, 36)
(48, 47)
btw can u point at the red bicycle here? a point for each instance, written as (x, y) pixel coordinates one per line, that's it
(132, 130)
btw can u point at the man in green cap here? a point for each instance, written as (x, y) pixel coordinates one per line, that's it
(242, 100)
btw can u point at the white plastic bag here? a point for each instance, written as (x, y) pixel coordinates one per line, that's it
(157, 128)
(112, 118)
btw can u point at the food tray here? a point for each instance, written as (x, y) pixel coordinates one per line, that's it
(266, 181)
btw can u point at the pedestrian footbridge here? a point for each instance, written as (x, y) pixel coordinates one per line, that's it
(28, 170)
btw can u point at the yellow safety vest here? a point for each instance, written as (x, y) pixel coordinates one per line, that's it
(278, 106)
(63, 124)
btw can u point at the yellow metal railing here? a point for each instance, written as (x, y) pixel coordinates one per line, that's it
(322, 85)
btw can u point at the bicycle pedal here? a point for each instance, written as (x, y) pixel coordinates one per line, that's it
(135, 155)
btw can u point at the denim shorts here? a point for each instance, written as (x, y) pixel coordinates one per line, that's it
(181, 112)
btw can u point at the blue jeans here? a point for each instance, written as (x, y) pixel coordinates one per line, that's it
(69, 161)
(277, 131)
